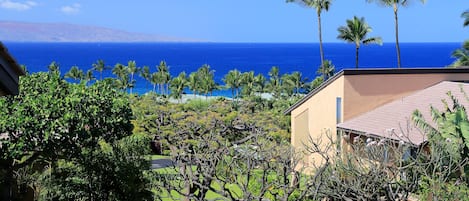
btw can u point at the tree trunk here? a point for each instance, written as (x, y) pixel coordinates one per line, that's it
(6, 186)
(321, 51)
(398, 49)
(356, 56)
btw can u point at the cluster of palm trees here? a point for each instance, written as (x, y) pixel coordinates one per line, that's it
(356, 29)
(200, 82)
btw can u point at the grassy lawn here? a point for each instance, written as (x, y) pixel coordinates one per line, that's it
(155, 157)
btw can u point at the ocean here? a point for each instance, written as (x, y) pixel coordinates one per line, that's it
(222, 57)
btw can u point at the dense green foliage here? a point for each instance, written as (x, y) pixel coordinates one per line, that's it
(53, 127)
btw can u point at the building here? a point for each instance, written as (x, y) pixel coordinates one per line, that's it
(9, 73)
(352, 93)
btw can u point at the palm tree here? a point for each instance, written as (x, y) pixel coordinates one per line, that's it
(327, 70)
(122, 74)
(297, 81)
(53, 67)
(274, 81)
(74, 73)
(207, 84)
(355, 32)
(154, 79)
(194, 83)
(259, 83)
(146, 75)
(248, 83)
(395, 4)
(319, 5)
(233, 81)
(461, 55)
(164, 76)
(177, 85)
(88, 77)
(465, 15)
(132, 68)
(100, 67)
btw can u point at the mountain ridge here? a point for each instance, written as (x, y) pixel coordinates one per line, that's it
(14, 31)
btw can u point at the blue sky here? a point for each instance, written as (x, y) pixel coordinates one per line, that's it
(246, 20)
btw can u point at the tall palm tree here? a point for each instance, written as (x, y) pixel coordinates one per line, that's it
(207, 84)
(319, 5)
(53, 67)
(465, 15)
(461, 55)
(395, 4)
(356, 32)
(233, 81)
(260, 83)
(154, 79)
(194, 83)
(248, 83)
(100, 66)
(274, 81)
(177, 85)
(75, 73)
(88, 77)
(164, 76)
(146, 75)
(123, 81)
(132, 68)
(327, 70)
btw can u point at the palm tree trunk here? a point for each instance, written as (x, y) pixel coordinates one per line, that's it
(398, 49)
(321, 51)
(356, 56)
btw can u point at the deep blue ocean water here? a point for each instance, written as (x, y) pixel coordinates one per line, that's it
(222, 57)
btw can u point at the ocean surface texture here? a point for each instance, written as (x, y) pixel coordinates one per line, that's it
(222, 57)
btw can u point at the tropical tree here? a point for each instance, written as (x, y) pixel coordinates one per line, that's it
(164, 76)
(146, 75)
(395, 4)
(177, 85)
(465, 15)
(274, 84)
(327, 70)
(88, 77)
(194, 83)
(207, 84)
(319, 5)
(123, 82)
(53, 67)
(233, 81)
(154, 79)
(356, 32)
(248, 83)
(259, 83)
(75, 73)
(100, 66)
(132, 68)
(295, 81)
(461, 55)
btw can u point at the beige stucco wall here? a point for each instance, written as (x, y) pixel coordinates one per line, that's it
(366, 92)
(321, 116)
(359, 93)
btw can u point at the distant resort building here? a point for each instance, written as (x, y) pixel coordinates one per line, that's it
(372, 104)
(9, 73)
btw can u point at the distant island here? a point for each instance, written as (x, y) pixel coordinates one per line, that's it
(64, 32)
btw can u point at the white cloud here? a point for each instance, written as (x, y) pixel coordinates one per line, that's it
(71, 9)
(16, 5)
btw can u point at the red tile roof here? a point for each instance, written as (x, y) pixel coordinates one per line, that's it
(393, 120)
